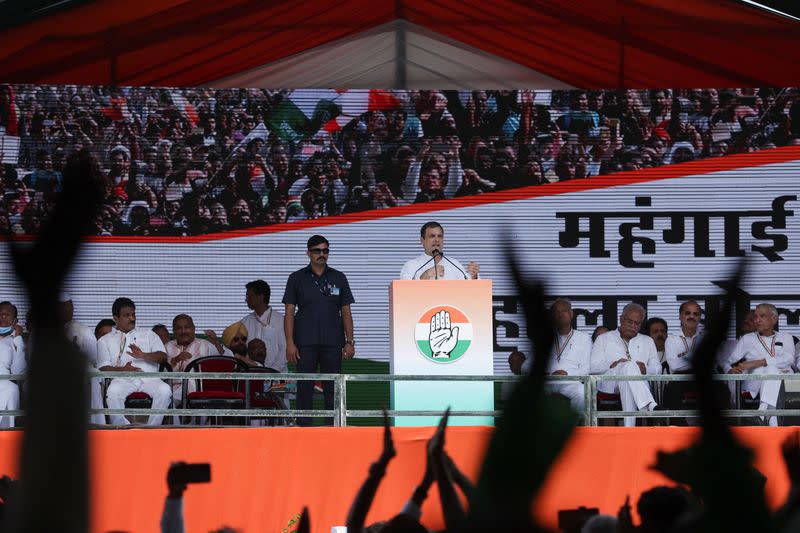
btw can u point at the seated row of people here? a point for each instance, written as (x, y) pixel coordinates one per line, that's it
(628, 351)
(118, 345)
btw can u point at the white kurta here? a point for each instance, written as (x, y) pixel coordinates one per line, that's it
(198, 348)
(269, 328)
(680, 349)
(572, 354)
(113, 349)
(413, 268)
(9, 391)
(777, 350)
(610, 347)
(84, 339)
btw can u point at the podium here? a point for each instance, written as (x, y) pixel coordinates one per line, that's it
(442, 327)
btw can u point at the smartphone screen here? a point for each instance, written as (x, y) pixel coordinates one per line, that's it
(193, 473)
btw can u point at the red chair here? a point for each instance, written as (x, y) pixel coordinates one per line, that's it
(607, 401)
(266, 394)
(141, 400)
(214, 393)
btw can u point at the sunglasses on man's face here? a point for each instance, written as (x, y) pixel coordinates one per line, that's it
(239, 339)
(317, 251)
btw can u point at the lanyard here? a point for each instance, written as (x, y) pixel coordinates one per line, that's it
(269, 318)
(325, 289)
(686, 344)
(771, 349)
(627, 348)
(121, 348)
(563, 347)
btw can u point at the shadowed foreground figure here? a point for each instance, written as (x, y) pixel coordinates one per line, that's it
(52, 493)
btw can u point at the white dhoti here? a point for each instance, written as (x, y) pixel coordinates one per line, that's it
(96, 401)
(634, 395)
(121, 388)
(767, 391)
(572, 390)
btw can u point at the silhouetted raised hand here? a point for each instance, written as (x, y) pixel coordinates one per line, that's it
(366, 494)
(54, 450)
(530, 434)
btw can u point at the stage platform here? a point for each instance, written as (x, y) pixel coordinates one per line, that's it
(262, 477)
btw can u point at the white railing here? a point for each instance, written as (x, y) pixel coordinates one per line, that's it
(340, 413)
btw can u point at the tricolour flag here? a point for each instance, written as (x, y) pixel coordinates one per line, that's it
(303, 112)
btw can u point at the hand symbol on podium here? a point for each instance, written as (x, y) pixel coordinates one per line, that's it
(442, 337)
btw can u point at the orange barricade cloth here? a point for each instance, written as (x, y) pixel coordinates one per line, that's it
(262, 477)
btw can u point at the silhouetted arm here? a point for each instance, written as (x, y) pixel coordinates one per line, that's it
(363, 501)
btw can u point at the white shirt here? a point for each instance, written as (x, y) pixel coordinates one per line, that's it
(414, 268)
(198, 348)
(269, 328)
(575, 358)
(20, 364)
(610, 347)
(679, 350)
(777, 349)
(84, 338)
(114, 347)
(6, 358)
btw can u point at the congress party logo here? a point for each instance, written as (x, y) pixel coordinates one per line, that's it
(443, 334)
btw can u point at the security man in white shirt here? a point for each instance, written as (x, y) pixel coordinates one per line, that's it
(570, 355)
(626, 352)
(433, 264)
(266, 323)
(764, 351)
(131, 349)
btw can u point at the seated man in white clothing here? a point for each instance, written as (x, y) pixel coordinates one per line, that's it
(570, 355)
(185, 348)
(82, 337)
(764, 351)
(657, 329)
(626, 352)
(433, 264)
(679, 351)
(679, 347)
(131, 349)
(266, 323)
(10, 329)
(9, 391)
(257, 352)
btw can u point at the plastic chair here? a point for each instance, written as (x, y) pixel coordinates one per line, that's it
(607, 401)
(214, 393)
(266, 394)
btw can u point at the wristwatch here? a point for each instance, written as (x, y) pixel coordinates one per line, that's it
(350, 342)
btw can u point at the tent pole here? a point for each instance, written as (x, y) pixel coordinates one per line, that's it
(622, 36)
(400, 72)
(400, 80)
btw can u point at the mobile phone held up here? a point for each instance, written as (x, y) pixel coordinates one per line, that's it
(193, 473)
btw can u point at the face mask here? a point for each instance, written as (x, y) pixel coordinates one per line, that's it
(6, 330)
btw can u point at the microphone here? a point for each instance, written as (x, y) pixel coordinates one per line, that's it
(433, 257)
(435, 266)
(454, 265)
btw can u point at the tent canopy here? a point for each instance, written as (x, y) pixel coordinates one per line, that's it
(406, 43)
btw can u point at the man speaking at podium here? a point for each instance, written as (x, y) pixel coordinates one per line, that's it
(433, 264)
